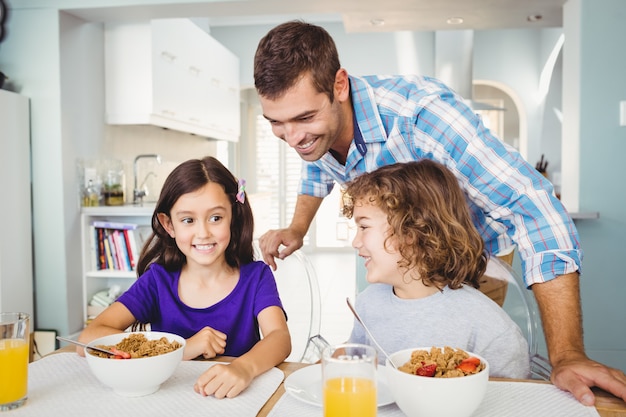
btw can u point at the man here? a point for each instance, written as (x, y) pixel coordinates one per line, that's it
(343, 126)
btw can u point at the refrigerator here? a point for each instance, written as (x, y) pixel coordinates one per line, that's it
(16, 253)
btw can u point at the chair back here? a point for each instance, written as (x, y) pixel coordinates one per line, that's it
(300, 294)
(521, 306)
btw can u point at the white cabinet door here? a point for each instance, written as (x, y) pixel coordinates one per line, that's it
(168, 79)
(224, 88)
(180, 78)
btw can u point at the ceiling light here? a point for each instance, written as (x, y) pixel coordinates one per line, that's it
(377, 22)
(454, 20)
(534, 18)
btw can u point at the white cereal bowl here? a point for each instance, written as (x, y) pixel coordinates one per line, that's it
(139, 376)
(419, 396)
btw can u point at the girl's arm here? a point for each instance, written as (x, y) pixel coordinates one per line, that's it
(230, 380)
(114, 319)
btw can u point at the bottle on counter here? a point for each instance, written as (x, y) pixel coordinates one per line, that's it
(90, 195)
(114, 189)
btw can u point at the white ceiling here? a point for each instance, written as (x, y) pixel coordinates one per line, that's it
(357, 15)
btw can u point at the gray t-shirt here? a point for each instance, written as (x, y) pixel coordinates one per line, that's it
(463, 318)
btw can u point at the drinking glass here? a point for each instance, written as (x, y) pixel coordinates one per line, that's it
(349, 380)
(14, 347)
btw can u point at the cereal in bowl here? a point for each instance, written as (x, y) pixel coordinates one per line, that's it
(438, 363)
(140, 347)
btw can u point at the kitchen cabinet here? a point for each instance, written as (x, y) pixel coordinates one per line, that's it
(94, 279)
(16, 256)
(173, 74)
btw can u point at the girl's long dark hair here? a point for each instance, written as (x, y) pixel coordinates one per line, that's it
(186, 178)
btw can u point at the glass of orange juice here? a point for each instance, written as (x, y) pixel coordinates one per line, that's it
(349, 380)
(14, 347)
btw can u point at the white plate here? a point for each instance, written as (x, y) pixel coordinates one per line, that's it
(305, 384)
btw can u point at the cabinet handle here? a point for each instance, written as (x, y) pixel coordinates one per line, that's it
(168, 56)
(194, 71)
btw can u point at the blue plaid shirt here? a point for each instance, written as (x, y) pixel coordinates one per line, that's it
(406, 118)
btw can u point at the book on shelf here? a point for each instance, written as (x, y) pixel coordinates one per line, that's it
(113, 225)
(109, 254)
(114, 246)
(122, 250)
(101, 253)
(131, 245)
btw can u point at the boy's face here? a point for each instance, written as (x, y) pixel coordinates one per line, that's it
(372, 229)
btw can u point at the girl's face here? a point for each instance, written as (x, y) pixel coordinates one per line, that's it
(200, 223)
(372, 229)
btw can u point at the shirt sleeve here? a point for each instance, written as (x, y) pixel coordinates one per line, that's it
(267, 291)
(141, 297)
(506, 190)
(314, 181)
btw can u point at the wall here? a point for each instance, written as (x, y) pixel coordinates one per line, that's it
(602, 85)
(32, 60)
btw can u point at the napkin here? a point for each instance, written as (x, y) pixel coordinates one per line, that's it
(511, 399)
(63, 385)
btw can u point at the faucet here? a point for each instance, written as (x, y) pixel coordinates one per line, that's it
(140, 193)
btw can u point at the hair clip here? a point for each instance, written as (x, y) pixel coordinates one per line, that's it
(241, 191)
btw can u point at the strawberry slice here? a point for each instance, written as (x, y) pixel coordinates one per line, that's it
(426, 370)
(469, 365)
(472, 359)
(118, 354)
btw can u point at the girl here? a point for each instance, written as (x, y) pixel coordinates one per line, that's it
(425, 257)
(198, 279)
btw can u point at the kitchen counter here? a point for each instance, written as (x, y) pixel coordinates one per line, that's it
(586, 215)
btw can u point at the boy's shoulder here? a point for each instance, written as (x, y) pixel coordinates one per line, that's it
(375, 291)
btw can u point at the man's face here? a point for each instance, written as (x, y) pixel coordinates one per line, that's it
(305, 119)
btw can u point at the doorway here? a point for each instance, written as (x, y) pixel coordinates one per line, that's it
(509, 124)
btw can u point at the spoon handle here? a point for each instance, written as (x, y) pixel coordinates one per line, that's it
(356, 315)
(75, 342)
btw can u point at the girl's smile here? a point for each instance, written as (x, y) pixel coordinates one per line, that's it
(200, 223)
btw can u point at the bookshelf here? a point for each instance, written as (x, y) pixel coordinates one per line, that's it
(95, 279)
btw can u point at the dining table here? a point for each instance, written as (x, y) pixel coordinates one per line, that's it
(607, 405)
(275, 402)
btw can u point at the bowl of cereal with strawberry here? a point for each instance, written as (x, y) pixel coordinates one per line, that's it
(437, 381)
(142, 361)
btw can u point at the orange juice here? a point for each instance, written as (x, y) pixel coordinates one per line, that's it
(13, 370)
(350, 397)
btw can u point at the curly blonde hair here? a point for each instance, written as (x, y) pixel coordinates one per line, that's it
(428, 218)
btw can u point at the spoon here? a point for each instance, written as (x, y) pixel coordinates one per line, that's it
(356, 315)
(116, 353)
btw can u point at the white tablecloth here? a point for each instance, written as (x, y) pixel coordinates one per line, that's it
(61, 385)
(510, 399)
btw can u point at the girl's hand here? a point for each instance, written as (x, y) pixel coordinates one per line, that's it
(223, 380)
(208, 342)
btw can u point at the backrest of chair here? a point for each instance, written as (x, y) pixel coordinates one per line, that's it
(521, 306)
(300, 294)
(517, 303)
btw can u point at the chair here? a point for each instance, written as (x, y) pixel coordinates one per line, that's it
(521, 306)
(300, 294)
